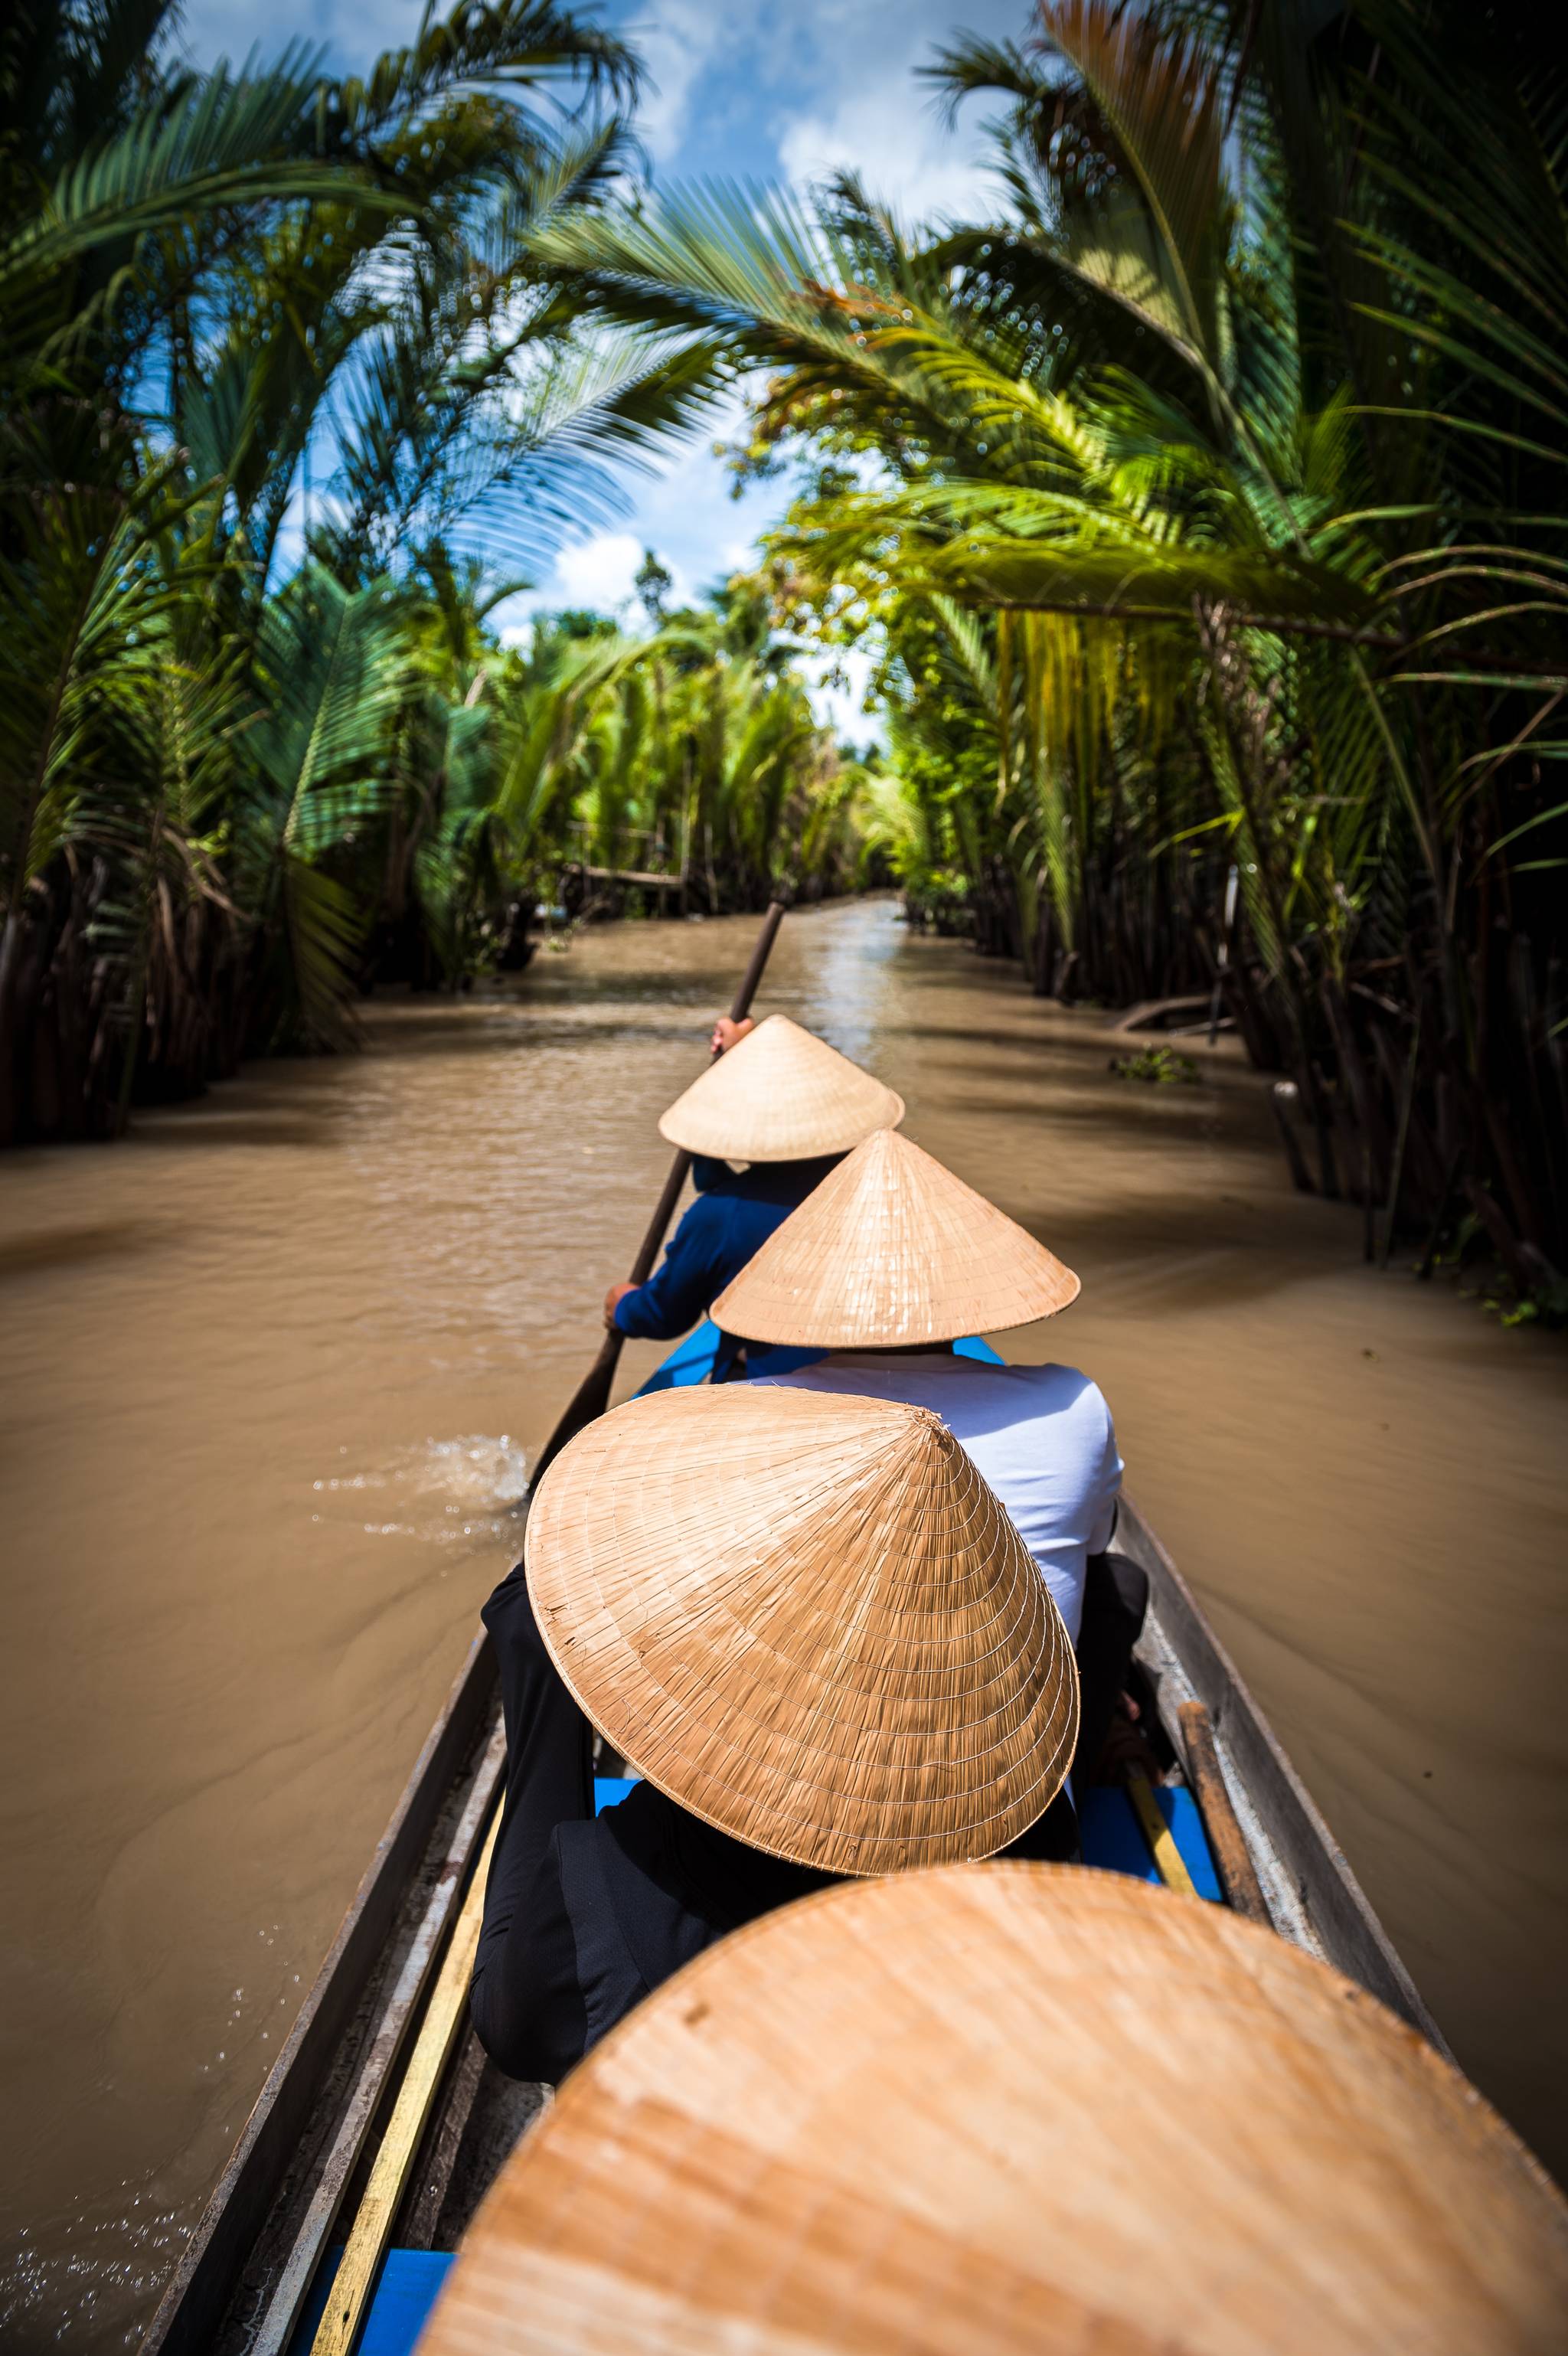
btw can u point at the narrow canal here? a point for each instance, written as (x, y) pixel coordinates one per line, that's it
(273, 1371)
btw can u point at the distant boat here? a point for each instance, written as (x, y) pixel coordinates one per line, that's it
(382, 2123)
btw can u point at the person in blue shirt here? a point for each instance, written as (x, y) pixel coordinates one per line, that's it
(735, 1212)
(773, 1087)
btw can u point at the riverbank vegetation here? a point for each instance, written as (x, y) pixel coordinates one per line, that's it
(1205, 502)
(690, 759)
(1202, 506)
(287, 401)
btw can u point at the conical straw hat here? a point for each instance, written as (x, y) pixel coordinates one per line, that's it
(780, 1095)
(1012, 2110)
(809, 1622)
(889, 1250)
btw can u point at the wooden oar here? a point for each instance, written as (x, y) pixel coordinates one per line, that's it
(1232, 1858)
(593, 1395)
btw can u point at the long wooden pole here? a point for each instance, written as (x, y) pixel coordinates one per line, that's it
(1232, 1858)
(593, 1395)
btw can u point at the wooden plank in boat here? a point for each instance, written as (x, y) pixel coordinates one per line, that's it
(1170, 1863)
(354, 2284)
(191, 2309)
(1315, 1897)
(1232, 1858)
(375, 2071)
(437, 2163)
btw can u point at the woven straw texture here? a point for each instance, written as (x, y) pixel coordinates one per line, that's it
(808, 1621)
(781, 1094)
(891, 1249)
(1012, 2110)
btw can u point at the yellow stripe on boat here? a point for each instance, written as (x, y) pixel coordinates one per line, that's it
(1158, 1834)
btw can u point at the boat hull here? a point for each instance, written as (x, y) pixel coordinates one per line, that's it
(249, 2266)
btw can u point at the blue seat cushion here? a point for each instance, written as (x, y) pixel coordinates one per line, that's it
(971, 1347)
(690, 1361)
(1113, 1837)
(405, 2294)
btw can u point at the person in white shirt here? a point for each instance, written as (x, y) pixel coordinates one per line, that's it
(890, 1262)
(1042, 1437)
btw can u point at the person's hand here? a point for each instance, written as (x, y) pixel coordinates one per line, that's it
(1126, 1746)
(616, 1292)
(726, 1035)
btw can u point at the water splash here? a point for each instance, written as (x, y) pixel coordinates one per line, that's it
(95, 2274)
(444, 1492)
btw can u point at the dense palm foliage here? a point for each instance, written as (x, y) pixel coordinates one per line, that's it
(696, 758)
(280, 379)
(590, 759)
(1207, 503)
(1202, 506)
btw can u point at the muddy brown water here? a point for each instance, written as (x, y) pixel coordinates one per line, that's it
(273, 1369)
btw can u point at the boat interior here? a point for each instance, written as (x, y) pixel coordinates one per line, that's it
(384, 2124)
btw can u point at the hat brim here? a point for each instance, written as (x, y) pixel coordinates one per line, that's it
(893, 1250)
(780, 1095)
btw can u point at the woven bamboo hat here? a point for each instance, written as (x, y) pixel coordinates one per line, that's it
(780, 1095)
(1012, 2110)
(809, 1622)
(889, 1250)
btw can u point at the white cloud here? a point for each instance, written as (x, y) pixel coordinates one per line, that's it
(840, 704)
(912, 165)
(602, 572)
(684, 42)
(872, 113)
(681, 506)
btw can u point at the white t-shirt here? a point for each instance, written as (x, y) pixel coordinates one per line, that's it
(1040, 1436)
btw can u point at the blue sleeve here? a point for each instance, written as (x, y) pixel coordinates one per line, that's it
(679, 1290)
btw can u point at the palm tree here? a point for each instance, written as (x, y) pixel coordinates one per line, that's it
(1232, 435)
(205, 280)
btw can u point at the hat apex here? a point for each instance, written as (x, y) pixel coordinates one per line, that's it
(780, 1095)
(890, 1251)
(808, 1621)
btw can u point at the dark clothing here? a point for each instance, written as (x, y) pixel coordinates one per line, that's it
(584, 1915)
(1115, 1597)
(733, 1215)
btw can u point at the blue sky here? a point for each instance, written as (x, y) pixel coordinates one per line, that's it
(741, 89)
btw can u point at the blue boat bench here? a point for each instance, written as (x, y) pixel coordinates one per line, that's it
(405, 2292)
(691, 1361)
(1114, 1839)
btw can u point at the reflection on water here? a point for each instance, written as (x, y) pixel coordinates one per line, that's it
(274, 1370)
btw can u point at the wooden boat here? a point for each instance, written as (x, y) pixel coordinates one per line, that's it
(383, 2107)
